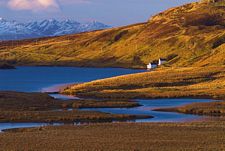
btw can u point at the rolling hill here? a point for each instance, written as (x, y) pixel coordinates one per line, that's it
(189, 35)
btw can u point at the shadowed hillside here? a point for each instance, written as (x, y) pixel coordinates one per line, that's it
(193, 34)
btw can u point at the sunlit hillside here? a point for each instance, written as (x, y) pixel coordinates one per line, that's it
(190, 35)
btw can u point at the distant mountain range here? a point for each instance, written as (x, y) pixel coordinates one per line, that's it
(12, 30)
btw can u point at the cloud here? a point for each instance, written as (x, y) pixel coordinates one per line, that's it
(34, 5)
(40, 5)
(3, 2)
(75, 1)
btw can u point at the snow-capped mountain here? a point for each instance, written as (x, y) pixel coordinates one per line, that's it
(14, 30)
(11, 30)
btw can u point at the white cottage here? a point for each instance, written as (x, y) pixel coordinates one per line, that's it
(161, 61)
(151, 66)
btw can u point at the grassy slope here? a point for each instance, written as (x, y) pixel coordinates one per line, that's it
(161, 83)
(119, 136)
(192, 34)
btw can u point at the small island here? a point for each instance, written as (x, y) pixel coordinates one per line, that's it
(6, 66)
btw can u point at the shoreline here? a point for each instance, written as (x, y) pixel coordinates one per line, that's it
(170, 109)
(6, 66)
(42, 108)
(123, 118)
(74, 66)
(55, 89)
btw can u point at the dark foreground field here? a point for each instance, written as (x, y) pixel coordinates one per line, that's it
(119, 136)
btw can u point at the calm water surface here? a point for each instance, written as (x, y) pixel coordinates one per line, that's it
(38, 79)
(35, 79)
(149, 105)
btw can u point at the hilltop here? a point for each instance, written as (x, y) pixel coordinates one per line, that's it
(189, 35)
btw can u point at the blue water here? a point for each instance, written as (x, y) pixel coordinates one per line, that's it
(37, 79)
(4, 126)
(148, 107)
(20, 125)
(34, 79)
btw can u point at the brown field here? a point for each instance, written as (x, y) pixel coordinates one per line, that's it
(18, 101)
(38, 107)
(205, 136)
(64, 116)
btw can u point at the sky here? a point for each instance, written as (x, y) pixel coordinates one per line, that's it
(111, 12)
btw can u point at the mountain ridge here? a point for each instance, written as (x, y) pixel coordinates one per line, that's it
(13, 30)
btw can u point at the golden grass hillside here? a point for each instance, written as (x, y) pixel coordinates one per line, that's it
(190, 35)
(162, 83)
